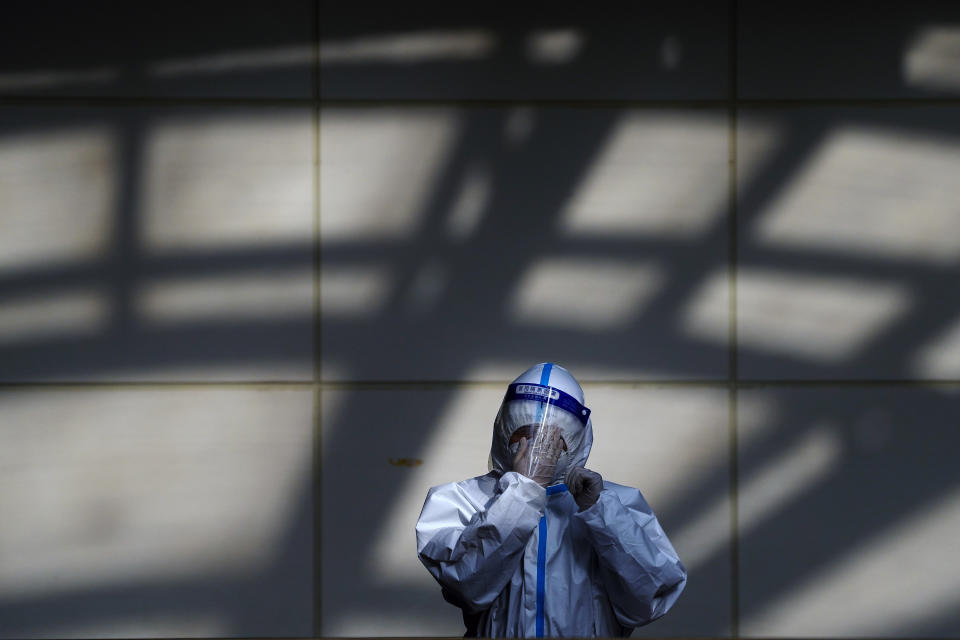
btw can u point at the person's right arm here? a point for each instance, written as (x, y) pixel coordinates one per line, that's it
(473, 549)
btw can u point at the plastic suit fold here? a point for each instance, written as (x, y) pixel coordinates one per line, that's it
(523, 560)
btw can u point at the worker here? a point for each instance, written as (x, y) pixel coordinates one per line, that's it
(542, 546)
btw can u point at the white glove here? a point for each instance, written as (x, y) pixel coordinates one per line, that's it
(538, 461)
(585, 486)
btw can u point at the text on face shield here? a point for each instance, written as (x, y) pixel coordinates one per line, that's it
(538, 391)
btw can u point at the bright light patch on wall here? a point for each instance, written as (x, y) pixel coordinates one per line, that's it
(761, 494)
(818, 318)
(453, 449)
(758, 139)
(932, 60)
(872, 193)
(52, 316)
(705, 534)
(354, 291)
(555, 46)
(117, 487)
(378, 169)
(708, 313)
(585, 294)
(456, 449)
(659, 174)
(788, 474)
(884, 586)
(940, 358)
(682, 433)
(233, 61)
(56, 78)
(227, 298)
(228, 180)
(470, 203)
(410, 48)
(142, 624)
(57, 193)
(667, 441)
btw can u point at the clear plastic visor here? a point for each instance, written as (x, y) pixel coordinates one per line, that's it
(551, 421)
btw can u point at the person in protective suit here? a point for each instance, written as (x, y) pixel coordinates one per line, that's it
(540, 545)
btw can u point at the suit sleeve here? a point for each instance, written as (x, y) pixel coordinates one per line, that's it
(473, 549)
(641, 571)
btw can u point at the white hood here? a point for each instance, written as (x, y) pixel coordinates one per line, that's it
(514, 414)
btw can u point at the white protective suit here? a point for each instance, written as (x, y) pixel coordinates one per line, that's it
(521, 560)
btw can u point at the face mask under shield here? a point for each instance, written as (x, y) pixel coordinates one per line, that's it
(553, 423)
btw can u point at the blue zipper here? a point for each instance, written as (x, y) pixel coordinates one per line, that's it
(542, 560)
(542, 546)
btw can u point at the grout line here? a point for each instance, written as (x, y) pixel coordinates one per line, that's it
(690, 103)
(359, 385)
(399, 384)
(317, 459)
(630, 384)
(316, 477)
(732, 246)
(666, 637)
(652, 103)
(734, 479)
(158, 101)
(850, 382)
(316, 244)
(734, 372)
(251, 385)
(846, 102)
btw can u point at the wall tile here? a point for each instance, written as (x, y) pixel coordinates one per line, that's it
(855, 49)
(849, 505)
(212, 49)
(169, 244)
(847, 242)
(147, 513)
(470, 243)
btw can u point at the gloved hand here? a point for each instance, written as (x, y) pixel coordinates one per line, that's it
(585, 486)
(538, 461)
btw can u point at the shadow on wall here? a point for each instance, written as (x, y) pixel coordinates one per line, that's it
(164, 242)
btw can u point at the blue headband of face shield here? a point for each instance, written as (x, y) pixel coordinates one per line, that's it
(548, 395)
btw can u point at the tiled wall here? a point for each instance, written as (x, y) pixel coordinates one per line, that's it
(265, 269)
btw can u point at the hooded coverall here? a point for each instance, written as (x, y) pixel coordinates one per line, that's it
(521, 560)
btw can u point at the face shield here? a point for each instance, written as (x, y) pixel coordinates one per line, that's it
(554, 423)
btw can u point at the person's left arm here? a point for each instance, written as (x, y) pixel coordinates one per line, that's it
(641, 570)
